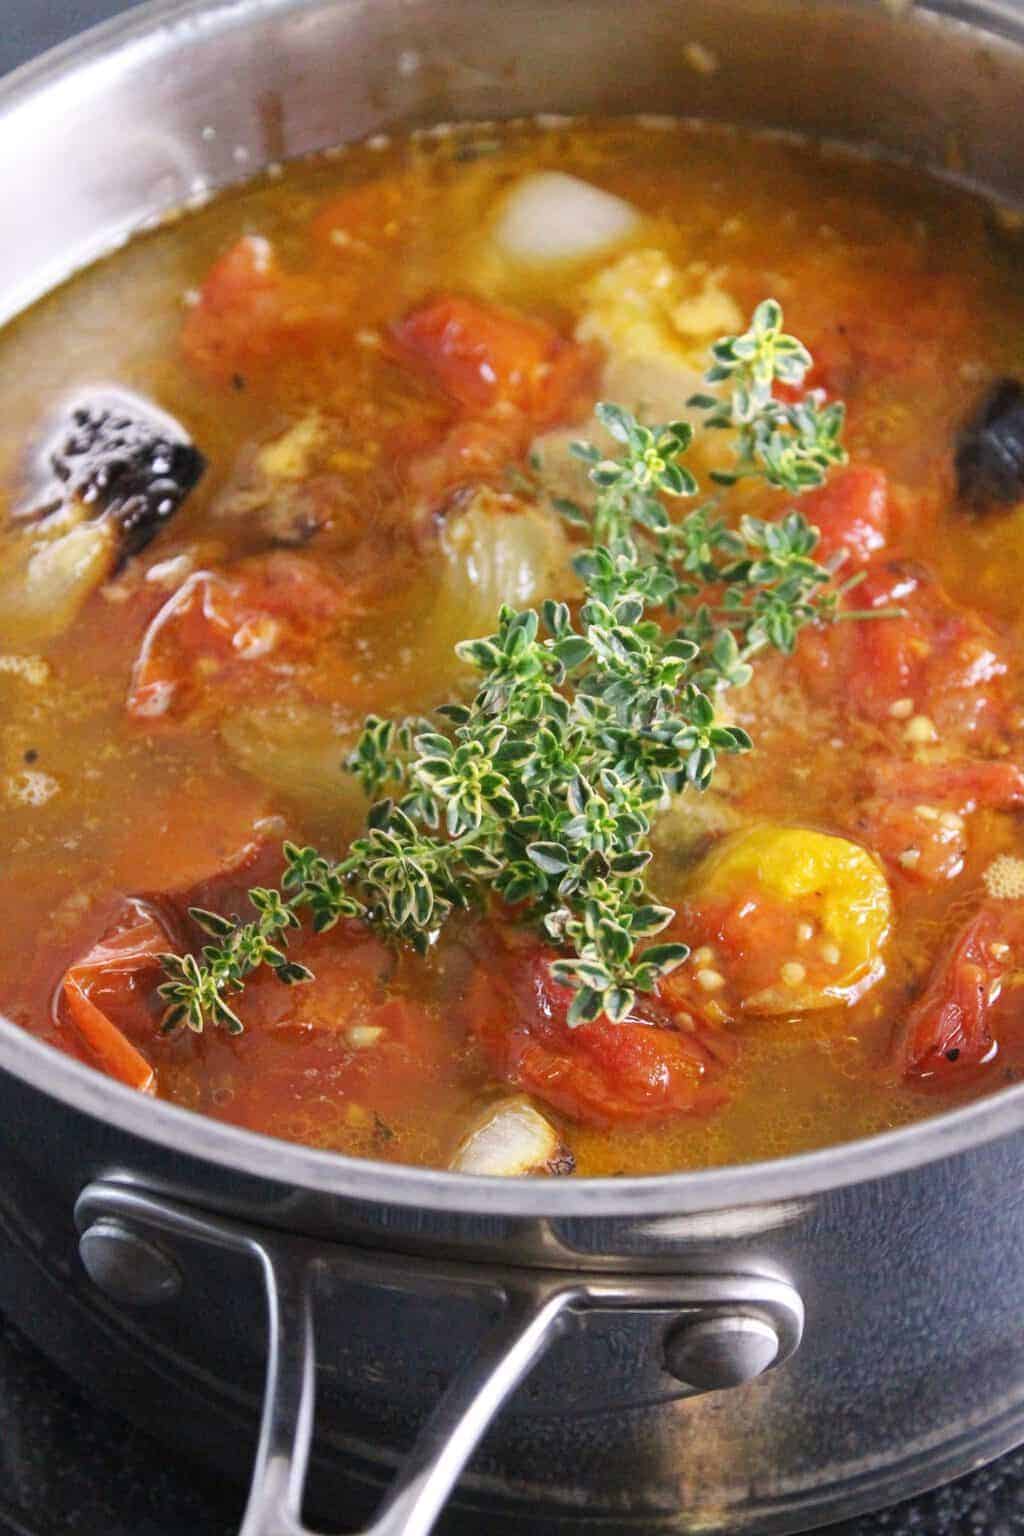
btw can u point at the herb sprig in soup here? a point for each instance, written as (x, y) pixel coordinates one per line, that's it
(631, 787)
(546, 783)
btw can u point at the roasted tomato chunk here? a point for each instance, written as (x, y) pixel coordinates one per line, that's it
(505, 375)
(937, 672)
(966, 784)
(917, 817)
(952, 1024)
(250, 313)
(482, 355)
(851, 513)
(220, 629)
(364, 1048)
(655, 1064)
(107, 995)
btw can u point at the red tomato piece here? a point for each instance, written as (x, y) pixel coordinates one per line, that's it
(646, 1068)
(250, 312)
(937, 660)
(473, 452)
(916, 818)
(924, 844)
(870, 663)
(219, 629)
(106, 994)
(961, 784)
(851, 513)
(482, 355)
(338, 1052)
(951, 1024)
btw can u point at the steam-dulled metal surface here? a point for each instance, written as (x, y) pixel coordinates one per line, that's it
(68, 1465)
(907, 1252)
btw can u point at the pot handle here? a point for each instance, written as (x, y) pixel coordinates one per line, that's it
(722, 1330)
(443, 1445)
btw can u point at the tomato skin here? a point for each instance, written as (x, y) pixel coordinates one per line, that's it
(851, 513)
(482, 355)
(602, 1074)
(219, 630)
(924, 849)
(105, 995)
(950, 1027)
(311, 1055)
(947, 661)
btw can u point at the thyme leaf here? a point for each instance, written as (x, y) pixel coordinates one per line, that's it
(541, 790)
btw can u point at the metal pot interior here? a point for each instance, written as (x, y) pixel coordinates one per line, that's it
(99, 140)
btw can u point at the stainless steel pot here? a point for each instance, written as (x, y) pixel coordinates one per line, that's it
(676, 1393)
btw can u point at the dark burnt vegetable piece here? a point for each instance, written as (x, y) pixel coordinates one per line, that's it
(990, 449)
(122, 458)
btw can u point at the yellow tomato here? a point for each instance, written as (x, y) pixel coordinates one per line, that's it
(829, 908)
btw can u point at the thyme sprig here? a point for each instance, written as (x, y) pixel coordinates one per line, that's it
(541, 789)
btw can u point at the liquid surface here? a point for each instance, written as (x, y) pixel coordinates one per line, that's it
(357, 516)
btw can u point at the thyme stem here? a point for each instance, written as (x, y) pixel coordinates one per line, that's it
(541, 790)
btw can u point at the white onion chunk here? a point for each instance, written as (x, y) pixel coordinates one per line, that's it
(550, 216)
(512, 1141)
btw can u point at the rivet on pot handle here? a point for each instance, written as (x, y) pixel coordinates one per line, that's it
(725, 1330)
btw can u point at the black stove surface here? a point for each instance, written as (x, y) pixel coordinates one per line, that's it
(69, 1468)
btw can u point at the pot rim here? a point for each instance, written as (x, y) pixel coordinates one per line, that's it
(88, 1091)
(808, 1173)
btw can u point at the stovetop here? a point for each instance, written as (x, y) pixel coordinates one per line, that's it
(70, 1468)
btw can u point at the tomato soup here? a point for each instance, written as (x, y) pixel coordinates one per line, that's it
(265, 467)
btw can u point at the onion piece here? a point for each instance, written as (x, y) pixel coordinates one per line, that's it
(513, 1141)
(550, 216)
(500, 550)
(45, 579)
(298, 750)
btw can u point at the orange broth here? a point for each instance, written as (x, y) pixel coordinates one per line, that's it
(338, 466)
